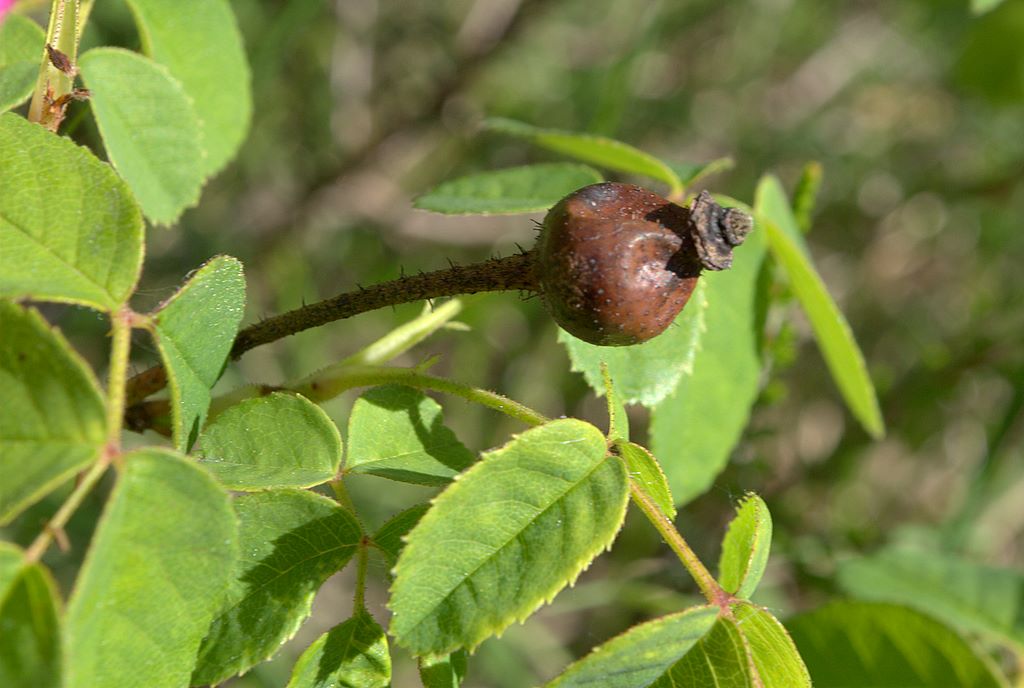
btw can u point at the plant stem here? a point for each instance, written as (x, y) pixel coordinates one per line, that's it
(67, 509)
(359, 599)
(47, 107)
(121, 333)
(705, 581)
(497, 274)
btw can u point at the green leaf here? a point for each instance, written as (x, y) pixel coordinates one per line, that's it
(390, 539)
(507, 536)
(290, 542)
(645, 373)
(353, 654)
(964, 594)
(642, 655)
(645, 471)
(399, 433)
(21, 49)
(618, 421)
(844, 358)
(774, 655)
(54, 422)
(745, 547)
(526, 189)
(694, 431)
(691, 173)
(69, 228)
(149, 128)
(280, 440)
(194, 331)
(885, 645)
(443, 671)
(199, 43)
(983, 6)
(155, 573)
(805, 196)
(596, 150)
(720, 659)
(30, 646)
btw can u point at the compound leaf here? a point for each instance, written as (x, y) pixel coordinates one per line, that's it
(290, 542)
(149, 128)
(54, 420)
(280, 440)
(194, 331)
(154, 576)
(399, 433)
(507, 536)
(69, 227)
(526, 189)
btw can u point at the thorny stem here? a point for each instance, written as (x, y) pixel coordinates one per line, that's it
(705, 581)
(497, 274)
(55, 83)
(120, 347)
(359, 600)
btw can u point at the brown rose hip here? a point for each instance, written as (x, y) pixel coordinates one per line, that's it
(616, 263)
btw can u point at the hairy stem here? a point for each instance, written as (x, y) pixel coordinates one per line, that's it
(705, 581)
(497, 274)
(56, 80)
(359, 599)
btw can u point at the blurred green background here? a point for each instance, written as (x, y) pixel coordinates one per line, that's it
(914, 109)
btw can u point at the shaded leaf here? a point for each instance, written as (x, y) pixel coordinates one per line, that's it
(526, 189)
(54, 421)
(69, 227)
(399, 433)
(199, 43)
(290, 541)
(885, 646)
(443, 671)
(645, 471)
(745, 547)
(596, 150)
(30, 645)
(507, 536)
(832, 332)
(156, 571)
(149, 129)
(642, 655)
(645, 373)
(280, 440)
(390, 539)
(353, 654)
(963, 593)
(194, 331)
(694, 430)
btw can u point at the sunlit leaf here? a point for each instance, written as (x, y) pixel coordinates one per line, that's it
(199, 43)
(645, 471)
(69, 227)
(149, 129)
(526, 189)
(596, 150)
(443, 671)
(353, 654)
(155, 574)
(399, 433)
(507, 536)
(832, 332)
(870, 644)
(745, 547)
(194, 331)
(53, 421)
(290, 542)
(280, 440)
(777, 664)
